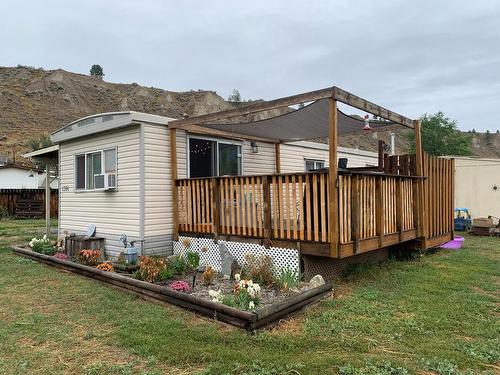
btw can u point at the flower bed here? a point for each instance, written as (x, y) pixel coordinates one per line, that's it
(242, 302)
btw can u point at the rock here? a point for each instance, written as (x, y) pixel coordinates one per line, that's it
(317, 281)
(235, 269)
(227, 260)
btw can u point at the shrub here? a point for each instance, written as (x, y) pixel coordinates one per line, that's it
(179, 265)
(4, 213)
(61, 255)
(42, 245)
(150, 267)
(208, 276)
(180, 286)
(259, 269)
(89, 257)
(166, 274)
(193, 259)
(106, 266)
(288, 279)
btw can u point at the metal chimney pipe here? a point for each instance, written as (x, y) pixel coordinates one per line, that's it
(393, 144)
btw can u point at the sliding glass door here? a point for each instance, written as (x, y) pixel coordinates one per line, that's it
(209, 158)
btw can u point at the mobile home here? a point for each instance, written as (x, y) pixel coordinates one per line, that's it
(256, 186)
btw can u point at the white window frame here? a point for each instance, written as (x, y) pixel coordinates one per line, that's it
(217, 141)
(314, 161)
(102, 168)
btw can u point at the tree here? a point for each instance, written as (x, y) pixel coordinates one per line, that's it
(440, 136)
(96, 71)
(488, 137)
(235, 97)
(37, 143)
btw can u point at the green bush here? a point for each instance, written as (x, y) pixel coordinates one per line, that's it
(166, 274)
(193, 259)
(4, 214)
(179, 265)
(288, 279)
(43, 248)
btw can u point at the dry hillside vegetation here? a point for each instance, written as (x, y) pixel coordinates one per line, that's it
(34, 102)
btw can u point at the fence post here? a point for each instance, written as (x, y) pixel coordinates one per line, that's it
(399, 207)
(379, 210)
(355, 212)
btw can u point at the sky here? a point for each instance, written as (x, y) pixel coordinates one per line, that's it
(412, 57)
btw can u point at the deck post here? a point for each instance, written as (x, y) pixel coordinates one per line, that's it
(266, 188)
(381, 155)
(173, 169)
(47, 197)
(277, 157)
(333, 204)
(216, 203)
(420, 204)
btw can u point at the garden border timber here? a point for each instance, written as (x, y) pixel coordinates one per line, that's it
(242, 319)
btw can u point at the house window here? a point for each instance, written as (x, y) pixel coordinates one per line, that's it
(209, 158)
(94, 169)
(312, 165)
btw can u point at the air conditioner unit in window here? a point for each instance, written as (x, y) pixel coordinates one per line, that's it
(110, 181)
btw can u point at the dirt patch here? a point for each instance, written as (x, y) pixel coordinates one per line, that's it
(269, 294)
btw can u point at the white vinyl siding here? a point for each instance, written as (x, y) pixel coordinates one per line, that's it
(113, 212)
(158, 212)
(158, 186)
(263, 162)
(293, 156)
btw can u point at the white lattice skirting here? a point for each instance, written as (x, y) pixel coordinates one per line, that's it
(210, 256)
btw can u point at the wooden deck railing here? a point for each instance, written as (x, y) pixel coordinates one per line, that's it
(294, 207)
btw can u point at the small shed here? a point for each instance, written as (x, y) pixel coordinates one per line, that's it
(477, 185)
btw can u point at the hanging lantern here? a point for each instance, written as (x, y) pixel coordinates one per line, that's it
(367, 127)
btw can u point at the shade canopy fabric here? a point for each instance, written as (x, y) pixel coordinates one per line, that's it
(309, 122)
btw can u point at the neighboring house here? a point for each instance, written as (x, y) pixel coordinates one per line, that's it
(20, 177)
(115, 172)
(477, 185)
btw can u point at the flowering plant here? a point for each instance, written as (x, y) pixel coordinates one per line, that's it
(180, 286)
(61, 255)
(42, 245)
(89, 257)
(106, 266)
(215, 295)
(150, 268)
(246, 294)
(253, 289)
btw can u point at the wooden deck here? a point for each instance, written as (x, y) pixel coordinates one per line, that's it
(376, 209)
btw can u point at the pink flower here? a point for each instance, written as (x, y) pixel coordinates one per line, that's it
(180, 286)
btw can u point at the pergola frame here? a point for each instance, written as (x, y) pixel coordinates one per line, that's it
(334, 95)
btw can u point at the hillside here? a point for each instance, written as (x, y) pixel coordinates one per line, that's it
(34, 102)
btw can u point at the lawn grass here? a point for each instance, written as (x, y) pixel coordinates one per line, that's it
(436, 314)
